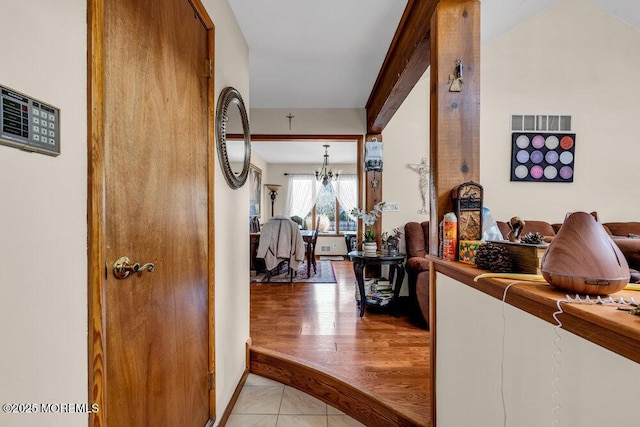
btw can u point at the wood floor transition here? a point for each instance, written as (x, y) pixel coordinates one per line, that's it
(309, 335)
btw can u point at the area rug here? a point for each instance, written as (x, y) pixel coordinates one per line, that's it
(324, 275)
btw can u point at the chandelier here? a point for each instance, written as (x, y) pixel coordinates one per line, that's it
(324, 174)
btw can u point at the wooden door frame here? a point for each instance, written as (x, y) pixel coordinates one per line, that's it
(96, 206)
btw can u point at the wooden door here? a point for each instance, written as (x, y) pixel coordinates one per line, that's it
(150, 200)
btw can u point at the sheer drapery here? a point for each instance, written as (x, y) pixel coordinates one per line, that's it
(301, 194)
(346, 191)
(303, 190)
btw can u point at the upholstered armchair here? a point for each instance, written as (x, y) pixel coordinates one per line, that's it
(417, 268)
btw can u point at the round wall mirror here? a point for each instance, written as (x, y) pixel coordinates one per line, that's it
(233, 137)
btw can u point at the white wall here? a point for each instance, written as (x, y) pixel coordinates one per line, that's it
(406, 141)
(43, 274)
(511, 353)
(574, 59)
(231, 228)
(312, 121)
(43, 243)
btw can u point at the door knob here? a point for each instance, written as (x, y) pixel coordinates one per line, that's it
(122, 267)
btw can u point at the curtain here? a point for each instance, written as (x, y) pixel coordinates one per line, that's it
(346, 191)
(301, 195)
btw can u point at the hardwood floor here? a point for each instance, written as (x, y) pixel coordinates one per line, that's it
(310, 336)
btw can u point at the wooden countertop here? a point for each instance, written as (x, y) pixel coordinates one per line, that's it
(604, 325)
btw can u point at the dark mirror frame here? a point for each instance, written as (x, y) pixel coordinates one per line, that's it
(230, 97)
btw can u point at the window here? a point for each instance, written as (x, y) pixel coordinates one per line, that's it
(327, 209)
(332, 202)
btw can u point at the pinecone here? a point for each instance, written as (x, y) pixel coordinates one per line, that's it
(494, 257)
(532, 238)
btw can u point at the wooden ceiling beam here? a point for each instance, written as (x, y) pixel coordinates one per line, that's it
(407, 59)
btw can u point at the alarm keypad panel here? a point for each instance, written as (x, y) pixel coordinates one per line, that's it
(28, 123)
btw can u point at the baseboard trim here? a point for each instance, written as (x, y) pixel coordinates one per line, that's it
(234, 398)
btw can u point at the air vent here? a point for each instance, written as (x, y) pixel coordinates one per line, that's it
(540, 123)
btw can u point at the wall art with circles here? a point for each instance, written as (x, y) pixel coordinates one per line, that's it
(542, 157)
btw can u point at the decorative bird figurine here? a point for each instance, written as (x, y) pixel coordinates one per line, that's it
(516, 225)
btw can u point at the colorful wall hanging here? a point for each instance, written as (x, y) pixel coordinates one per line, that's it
(543, 157)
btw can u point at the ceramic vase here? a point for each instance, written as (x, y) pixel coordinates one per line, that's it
(370, 248)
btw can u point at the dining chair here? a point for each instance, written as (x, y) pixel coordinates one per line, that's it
(281, 244)
(254, 224)
(312, 250)
(314, 242)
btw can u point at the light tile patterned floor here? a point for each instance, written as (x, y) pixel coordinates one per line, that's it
(267, 403)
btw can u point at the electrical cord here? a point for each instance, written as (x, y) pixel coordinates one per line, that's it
(555, 369)
(556, 342)
(558, 338)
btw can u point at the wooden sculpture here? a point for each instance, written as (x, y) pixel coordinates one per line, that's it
(516, 225)
(582, 258)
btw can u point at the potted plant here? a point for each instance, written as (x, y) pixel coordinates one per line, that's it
(392, 242)
(369, 245)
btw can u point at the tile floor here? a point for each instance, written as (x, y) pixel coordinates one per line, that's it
(267, 403)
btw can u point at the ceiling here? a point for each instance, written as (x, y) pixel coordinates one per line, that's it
(315, 54)
(327, 54)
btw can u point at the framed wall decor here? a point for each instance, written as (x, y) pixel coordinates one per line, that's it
(542, 148)
(255, 188)
(542, 156)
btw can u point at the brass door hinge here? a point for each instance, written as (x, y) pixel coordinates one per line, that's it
(211, 380)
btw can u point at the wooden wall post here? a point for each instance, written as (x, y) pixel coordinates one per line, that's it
(455, 116)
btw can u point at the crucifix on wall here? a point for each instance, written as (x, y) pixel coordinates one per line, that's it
(290, 116)
(422, 169)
